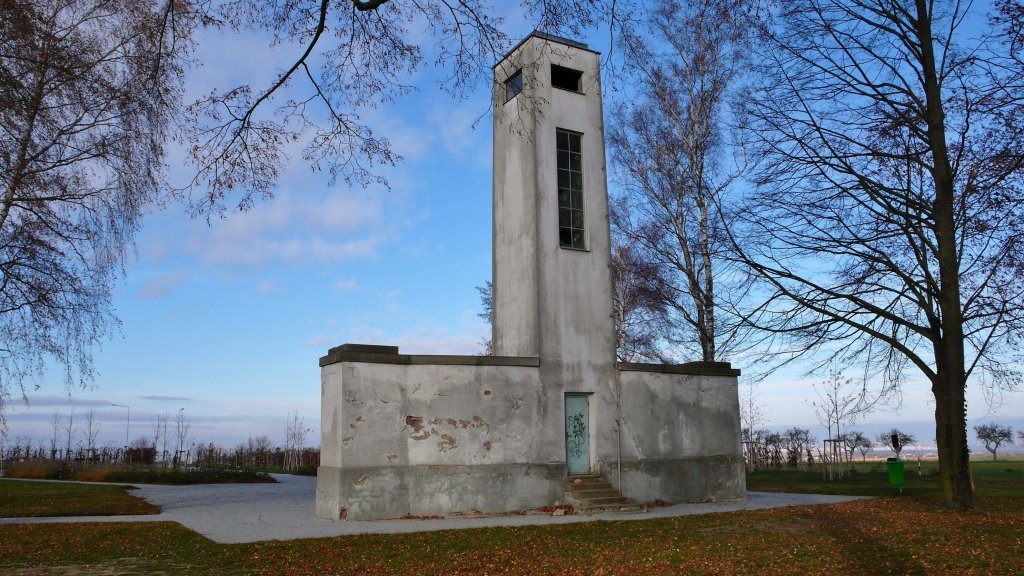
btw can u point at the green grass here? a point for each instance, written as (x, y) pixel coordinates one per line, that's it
(893, 534)
(872, 479)
(25, 499)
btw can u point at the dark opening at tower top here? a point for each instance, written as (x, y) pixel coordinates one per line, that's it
(565, 78)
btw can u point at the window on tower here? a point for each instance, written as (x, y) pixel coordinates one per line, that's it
(570, 189)
(513, 85)
(565, 78)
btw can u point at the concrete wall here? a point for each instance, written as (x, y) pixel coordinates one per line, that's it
(680, 435)
(432, 435)
(428, 435)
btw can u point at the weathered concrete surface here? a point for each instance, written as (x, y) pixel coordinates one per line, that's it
(680, 437)
(429, 439)
(383, 492)
(432, 439)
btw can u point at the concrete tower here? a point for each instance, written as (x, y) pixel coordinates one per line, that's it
(552, 259)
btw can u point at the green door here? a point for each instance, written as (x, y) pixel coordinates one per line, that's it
(577, 433)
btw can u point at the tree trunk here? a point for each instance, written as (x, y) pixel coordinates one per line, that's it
(950, 381)
(24, 143)
(951, 435)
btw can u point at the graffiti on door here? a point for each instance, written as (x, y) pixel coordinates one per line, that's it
(577, 441)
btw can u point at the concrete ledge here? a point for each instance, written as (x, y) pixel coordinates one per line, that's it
(691, 368)
(364, 349)
(389, 355)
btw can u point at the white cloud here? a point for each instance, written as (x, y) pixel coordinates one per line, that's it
(268, 287)
(346, 285)
(297, 230)
(159, 286)
(454, 127)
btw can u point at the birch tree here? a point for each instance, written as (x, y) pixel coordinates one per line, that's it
(671, 158)
(87, 91)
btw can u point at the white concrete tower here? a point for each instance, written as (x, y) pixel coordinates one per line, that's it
(552, 261)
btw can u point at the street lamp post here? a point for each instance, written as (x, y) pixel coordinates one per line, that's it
(127, 427)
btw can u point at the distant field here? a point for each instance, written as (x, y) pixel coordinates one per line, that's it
(893, 534)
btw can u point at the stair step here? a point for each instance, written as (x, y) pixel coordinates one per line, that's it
(619, 509)
(584, 490)
(587, 484)
(600, 493)
(607, 501)
(591, 494)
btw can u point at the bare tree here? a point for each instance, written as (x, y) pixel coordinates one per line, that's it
(994, 436)
(160, 437)
(181, 429)
(69, 435)
(258, 449)
(752, 413)
(295, 431)
(896, 440)
(640, 315)
(669, 151)
(841, 402)
(55, 425)
(887, 212)
(856, 440)
(92, 431)
(487, 303)
(87, 90)
(353, 54)
(796, 440)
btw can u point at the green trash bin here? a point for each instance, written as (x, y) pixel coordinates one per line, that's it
(895, 466)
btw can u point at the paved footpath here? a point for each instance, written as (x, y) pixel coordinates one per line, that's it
(238, 513)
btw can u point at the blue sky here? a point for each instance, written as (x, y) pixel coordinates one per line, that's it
(228, 319)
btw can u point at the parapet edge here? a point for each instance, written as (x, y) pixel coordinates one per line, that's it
(691, 368)
(374, 354)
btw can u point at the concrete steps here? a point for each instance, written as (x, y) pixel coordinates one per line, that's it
(591, 494)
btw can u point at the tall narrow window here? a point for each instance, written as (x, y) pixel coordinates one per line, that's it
(513, 85)
(570, 189)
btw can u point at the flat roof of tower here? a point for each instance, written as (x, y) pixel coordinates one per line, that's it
(546, 36)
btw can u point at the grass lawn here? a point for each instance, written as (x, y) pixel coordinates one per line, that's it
(21, 499)
(872, 479)
(893, 534)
